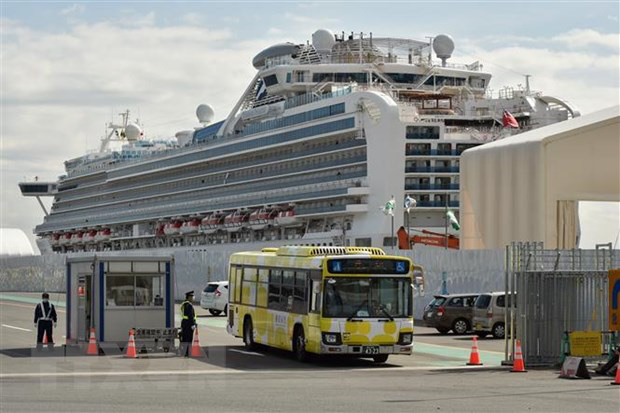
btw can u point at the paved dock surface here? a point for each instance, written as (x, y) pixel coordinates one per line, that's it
(229, 378)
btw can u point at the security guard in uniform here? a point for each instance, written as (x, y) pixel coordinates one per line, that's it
(44, 316)
(188, 324)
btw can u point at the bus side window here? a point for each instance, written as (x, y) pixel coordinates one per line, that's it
(232, 272)
(275, 281)
(238, 275)
(315, 294)
(248, 290)
(300, 302)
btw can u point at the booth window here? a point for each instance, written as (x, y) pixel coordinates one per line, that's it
(132, 290)
(120, 290)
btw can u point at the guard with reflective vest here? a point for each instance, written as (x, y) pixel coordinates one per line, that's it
(44, 318)
(188, 324)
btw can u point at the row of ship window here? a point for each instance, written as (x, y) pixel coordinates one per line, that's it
(294, 194)
(284, 168)
(282, 122)
(316, 146)
(239, 192)
(257, 143)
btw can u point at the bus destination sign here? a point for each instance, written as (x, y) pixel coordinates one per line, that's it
(367, 266)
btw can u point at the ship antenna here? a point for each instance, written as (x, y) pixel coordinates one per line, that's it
(527, 84)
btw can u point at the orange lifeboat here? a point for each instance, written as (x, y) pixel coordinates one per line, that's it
(103, 234)
(172, 228)
(261, 218)
(190, 227)
(55, 239)
(77, 237)
(89, 236)
(287, 218)
(65, 238)
(212, 223)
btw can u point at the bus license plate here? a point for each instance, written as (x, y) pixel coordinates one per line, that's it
(370, 350)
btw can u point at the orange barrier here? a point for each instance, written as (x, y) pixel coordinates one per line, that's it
(518, 365)
(196, 350)
(92, 344)
(131, 346)
(474, 356)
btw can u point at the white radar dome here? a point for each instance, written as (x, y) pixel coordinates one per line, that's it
(443, 45)
(132, 132)
(205, 113)
(323, 40)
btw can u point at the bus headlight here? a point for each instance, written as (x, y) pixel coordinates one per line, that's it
(333, 339)
(405, 338)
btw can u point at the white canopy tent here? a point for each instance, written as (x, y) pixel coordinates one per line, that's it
(527, 187)
(14, 243)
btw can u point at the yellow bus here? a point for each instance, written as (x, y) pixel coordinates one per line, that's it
(323, 300)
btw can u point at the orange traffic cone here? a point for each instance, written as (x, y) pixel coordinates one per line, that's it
(92, 344)
(616, 382)
(474, 357)
(131, 346)
(44, 337)
(517, 365)
(196, 350)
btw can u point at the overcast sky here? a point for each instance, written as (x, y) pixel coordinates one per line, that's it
(68, 67)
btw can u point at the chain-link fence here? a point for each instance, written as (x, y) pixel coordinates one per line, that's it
(557, 291)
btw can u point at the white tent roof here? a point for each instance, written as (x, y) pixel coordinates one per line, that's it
(526, 187)
(14, 243)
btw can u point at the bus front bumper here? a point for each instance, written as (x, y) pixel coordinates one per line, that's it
(366, 350)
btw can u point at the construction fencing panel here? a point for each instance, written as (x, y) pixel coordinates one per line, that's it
(464, 271)
(557, 291)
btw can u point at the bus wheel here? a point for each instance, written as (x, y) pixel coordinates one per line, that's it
(299, 344)
(248, 334)
(381, 358)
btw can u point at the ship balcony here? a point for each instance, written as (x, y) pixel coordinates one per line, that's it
(433, 153)
(436, 205)
(432, 187)
(432, 169)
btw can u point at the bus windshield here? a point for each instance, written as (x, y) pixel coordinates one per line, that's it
(372, 297)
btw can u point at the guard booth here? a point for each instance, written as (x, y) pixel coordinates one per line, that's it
(114, 294)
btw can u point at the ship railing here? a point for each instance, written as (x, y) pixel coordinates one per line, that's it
(320, 150)
(202, 205)
(235, 195)
(136, 195)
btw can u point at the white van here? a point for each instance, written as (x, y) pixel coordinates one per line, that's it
(214, 297)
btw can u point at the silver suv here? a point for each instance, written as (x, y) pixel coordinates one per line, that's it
(489, 311)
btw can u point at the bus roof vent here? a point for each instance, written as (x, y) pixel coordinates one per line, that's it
(309, 251)
(365, 250)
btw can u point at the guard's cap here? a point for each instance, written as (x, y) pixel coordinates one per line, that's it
(187, 294)
(45, 295)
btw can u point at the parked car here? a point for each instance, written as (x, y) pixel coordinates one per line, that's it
(489, 312)
(450, 312)
(215, 297)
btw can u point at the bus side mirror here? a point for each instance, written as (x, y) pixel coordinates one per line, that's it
(418, 279)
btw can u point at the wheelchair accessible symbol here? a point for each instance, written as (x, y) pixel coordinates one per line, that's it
(400, 266)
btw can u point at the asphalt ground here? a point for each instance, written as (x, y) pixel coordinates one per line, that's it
(229, 378)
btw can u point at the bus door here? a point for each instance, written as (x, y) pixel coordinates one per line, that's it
(314, 310)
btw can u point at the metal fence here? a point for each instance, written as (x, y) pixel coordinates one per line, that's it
(556, 291)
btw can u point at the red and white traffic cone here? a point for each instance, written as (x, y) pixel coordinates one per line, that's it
(616, 381)
(131, 346)
(45, 341)
(196, 351)
(518, 366)
(474, 356)
(92, 344)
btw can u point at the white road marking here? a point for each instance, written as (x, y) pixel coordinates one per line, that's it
(230, 371)
(16, 328)
(247, 352)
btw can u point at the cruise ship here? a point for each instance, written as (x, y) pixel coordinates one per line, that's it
(324, 134)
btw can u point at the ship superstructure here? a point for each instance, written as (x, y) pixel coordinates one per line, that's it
(324, 134)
